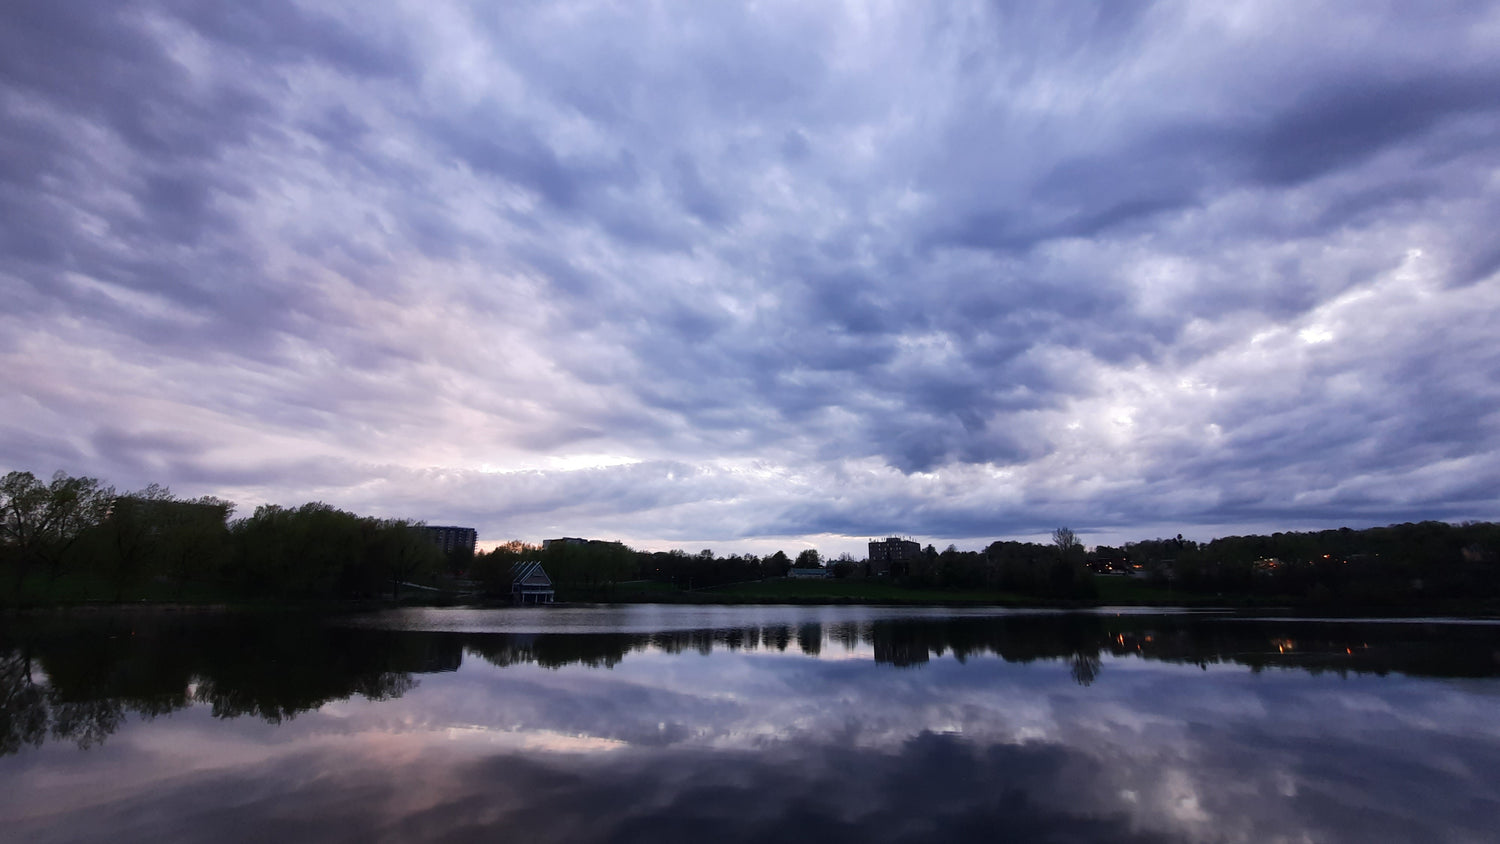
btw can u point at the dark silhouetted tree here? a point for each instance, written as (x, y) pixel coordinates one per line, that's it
(40, 523)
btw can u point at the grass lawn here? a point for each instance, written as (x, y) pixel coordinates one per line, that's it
(72, 588)
(645, 587)
(76, 589)
(1114, 589)
(1111, 590)
(634, 590)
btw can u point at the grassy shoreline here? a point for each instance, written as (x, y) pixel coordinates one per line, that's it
(1111, 592)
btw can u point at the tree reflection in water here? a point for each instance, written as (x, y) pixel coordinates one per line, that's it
(77, 679)
(1084, 667)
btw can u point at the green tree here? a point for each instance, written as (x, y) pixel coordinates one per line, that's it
(135, 535)
(591, 566)
(40, 523)
(312, 551)
(808, 559)
(491, 570)
(405, 552)
(196, 545)
(844, 566)
(777, 564)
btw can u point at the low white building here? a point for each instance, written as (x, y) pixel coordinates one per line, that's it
(808, 574)
(529, 584)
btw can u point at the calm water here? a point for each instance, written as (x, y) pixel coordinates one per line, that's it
(692, 724)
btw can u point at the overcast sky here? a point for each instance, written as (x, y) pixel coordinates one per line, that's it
(768, 276)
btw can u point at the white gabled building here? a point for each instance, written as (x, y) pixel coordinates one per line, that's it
(529, 584)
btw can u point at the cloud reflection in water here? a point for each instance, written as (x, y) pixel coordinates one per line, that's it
(613, 737)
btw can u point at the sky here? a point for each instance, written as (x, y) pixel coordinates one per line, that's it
(759, 276)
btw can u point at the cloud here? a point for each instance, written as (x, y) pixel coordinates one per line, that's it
(961, 273)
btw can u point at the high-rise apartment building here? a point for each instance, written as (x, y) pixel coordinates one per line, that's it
(450, 538)
(892, 551)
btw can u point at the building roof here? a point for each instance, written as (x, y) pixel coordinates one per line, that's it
(529, 572)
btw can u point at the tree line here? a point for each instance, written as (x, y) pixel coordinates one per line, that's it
(1412, 563)
(69, 530)
(593, 568)
(1421, 563)
(78, 535)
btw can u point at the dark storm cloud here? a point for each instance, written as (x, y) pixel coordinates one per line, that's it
(1352, 119)
(1066, 261)
(1333, 126)
(111, 128)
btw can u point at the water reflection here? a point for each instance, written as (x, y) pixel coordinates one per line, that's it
(74, 679)
(807, 724)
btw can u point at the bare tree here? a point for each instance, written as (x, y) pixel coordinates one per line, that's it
(1065, 540)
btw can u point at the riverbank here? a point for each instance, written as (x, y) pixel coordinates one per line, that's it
(1109, 592)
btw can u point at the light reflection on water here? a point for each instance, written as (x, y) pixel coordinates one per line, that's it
(655, 618)
(748, 723)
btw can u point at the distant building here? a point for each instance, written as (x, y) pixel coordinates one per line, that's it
(451, 538)
(808, 574)
(574, 540)
(529, 584)
(893, 552)
(1109, 561)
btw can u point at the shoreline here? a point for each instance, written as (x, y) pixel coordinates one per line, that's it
(1477, 612)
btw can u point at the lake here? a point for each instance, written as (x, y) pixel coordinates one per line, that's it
(747, 723)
